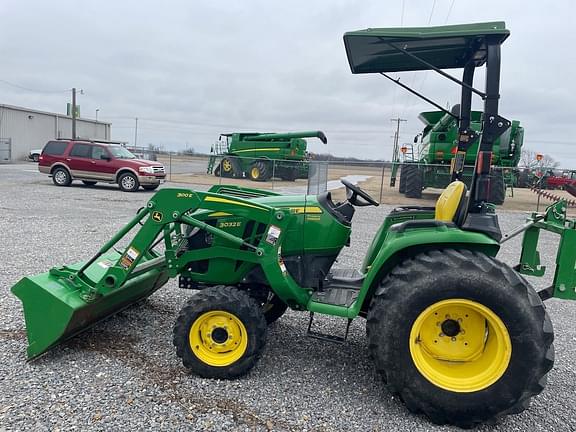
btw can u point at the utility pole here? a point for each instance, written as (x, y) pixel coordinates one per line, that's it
(136, 133)
(74, 113)
(395, 151)
(97, 109)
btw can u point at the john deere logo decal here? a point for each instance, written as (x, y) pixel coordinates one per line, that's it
(157, 216)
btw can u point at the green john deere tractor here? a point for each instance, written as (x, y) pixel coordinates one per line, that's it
(262, 156)
(459, 335)
(430, 167)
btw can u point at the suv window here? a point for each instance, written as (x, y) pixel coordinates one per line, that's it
(55, 148)
(98, 152)
(81, 150)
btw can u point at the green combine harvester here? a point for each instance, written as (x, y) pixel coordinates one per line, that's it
(262, 156)
(430, 168)
(457, 334)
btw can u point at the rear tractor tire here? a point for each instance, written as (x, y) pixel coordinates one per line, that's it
(402, 182)
(259, 171)
(291, 174)
(220, 333)
(460, 336)
(414, 181)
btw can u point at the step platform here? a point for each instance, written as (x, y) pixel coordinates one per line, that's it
(340, 288)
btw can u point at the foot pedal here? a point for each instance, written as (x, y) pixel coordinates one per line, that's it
(325, 337)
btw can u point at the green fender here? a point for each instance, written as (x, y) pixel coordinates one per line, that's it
(400, 245)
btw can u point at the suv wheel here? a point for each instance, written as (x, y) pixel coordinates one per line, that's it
(61, 177)
(128, 182)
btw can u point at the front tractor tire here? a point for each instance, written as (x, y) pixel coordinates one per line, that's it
(229, 167)
(460, 337)
(271, 305)
(220, 333)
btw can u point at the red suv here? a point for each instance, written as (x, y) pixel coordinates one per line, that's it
(92, 162)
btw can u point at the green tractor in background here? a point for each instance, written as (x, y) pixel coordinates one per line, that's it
(456, 333)
(262, 156)
(437, 144)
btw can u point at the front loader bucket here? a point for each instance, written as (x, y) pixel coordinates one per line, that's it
(54, 309)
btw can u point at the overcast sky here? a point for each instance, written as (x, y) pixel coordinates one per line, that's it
(190, 70)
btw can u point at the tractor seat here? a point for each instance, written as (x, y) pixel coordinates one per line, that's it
(452, 204)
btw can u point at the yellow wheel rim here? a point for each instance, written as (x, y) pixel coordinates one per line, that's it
(218, 338)
(460, 345)
(226, 165)
(255, 172)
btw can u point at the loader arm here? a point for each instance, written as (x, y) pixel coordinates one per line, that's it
(69, 299)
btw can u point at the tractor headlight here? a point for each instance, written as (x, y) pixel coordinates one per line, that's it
(146, 169)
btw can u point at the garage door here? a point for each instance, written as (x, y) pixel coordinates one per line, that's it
(5, 150)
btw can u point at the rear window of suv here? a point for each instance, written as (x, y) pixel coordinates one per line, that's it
(55, 148)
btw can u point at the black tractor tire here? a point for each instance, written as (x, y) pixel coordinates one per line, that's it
(150, 187)
(414, 181)
(402, 182)
(229, 167)
(259, 171)
(290, 174)
(232, 306)
(36, 157)
(497, 187)
(272, 306)
(89, 183)
(61, 176)
(414, 289)
(273, 309)
(128, 182)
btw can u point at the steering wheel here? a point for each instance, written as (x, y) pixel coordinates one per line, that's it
(353, 192)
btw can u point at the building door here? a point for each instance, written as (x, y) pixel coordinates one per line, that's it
(5, 150)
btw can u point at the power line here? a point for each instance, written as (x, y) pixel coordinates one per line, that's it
(405, 105)
(429, 22)
(33, 90)
(449, 11)
(184, 125)
(431, 12)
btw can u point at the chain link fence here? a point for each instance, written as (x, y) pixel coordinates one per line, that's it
(388, 183)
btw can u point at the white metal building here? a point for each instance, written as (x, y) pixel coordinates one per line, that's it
(23, 129)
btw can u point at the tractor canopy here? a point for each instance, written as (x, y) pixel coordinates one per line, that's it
(377, 50)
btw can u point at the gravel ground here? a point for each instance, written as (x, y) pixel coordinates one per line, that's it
(123, 374)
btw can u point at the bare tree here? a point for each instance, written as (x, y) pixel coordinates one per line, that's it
(528, 160)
